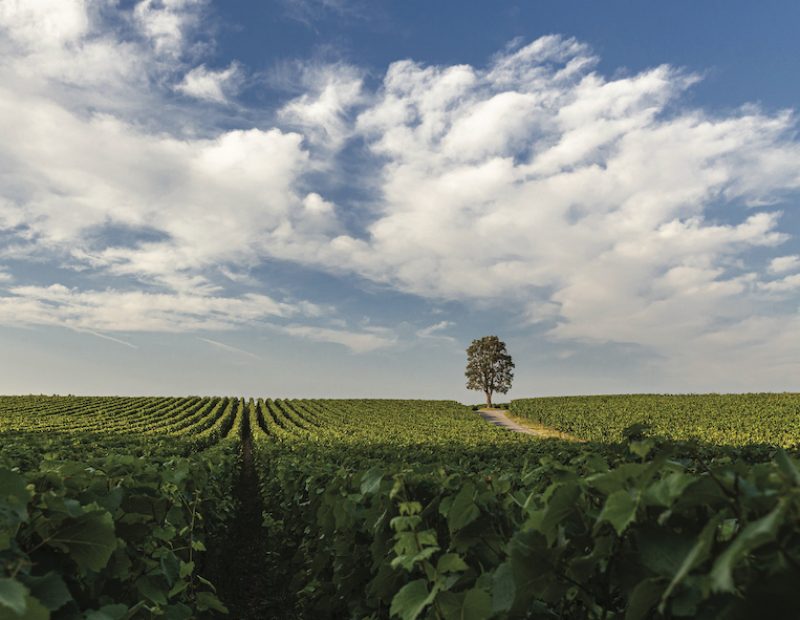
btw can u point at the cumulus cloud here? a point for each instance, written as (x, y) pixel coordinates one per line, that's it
(782, 264)
(583, 168)
(45, 22)
(166, 23)
(331, 92)
(583, 198)
(587, 204)
(209, 85)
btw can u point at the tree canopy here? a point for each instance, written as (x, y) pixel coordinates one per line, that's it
(489, 367)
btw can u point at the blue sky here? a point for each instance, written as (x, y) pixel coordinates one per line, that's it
(333, 197)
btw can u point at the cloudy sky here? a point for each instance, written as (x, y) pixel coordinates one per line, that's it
(334, 197)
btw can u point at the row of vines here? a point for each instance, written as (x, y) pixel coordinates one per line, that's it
(715, 419)
(415, 509)
(107, 505)
(120, 508)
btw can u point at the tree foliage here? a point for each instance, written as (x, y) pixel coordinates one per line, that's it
(489, 367)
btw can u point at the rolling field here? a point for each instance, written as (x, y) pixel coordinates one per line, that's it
(177, 508)
(719, 419)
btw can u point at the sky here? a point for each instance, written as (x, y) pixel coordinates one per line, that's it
(311, 198)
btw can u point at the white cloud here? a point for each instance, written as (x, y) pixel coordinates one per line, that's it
(321, 112)
(124, 343)
(575, 200)
(542, 183)
(166, 22)
(209, 85)
(787, 284)
(229, 348)
(364, 341)
(44, 22)
(111, 310)
(432, 331)
(782, 264)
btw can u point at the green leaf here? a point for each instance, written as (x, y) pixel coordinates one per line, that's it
(152, 590)
(463, 510)
(664, 492)
(34, 610)
(187, 568)
(560, 505)
(752, 535)
(50, 590)
(477, 605)
(371, 481)
(663, 551)
(451, 563)
(13, 596)
(643, 598)
(787, 466)
(179, 611)
(108, 612)
(14, 495)
(449, 604)
(170, 567)
(696, 555)
(209, 600)
(641, 448)
(619, 510)
(503, 588)
(411, 600)
(89, 540)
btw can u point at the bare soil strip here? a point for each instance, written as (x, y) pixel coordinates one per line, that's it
(502, 418)
(245, 582)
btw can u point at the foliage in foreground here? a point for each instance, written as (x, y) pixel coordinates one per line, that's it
(120, 535)
(643, 539)
(633, 531)
(386, 509)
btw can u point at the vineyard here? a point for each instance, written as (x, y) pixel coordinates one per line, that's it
(718, 419)
(178, 508)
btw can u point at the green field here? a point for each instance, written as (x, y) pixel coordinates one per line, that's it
(177, 508)
(721, 419)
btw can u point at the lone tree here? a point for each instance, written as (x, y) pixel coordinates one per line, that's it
(489, 367)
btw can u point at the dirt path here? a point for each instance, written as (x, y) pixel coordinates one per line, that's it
(244, 581)
(498, 417)
(501, 418)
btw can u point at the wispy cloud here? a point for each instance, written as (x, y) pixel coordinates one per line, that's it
(433, 331)
(311, 11)
(229, 348)
(106, 337)
(112, 310)
(363, 341)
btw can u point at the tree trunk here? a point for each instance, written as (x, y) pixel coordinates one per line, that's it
(488, 399)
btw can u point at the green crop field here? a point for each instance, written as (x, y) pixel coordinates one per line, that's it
(724, 419)
(177, 508)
